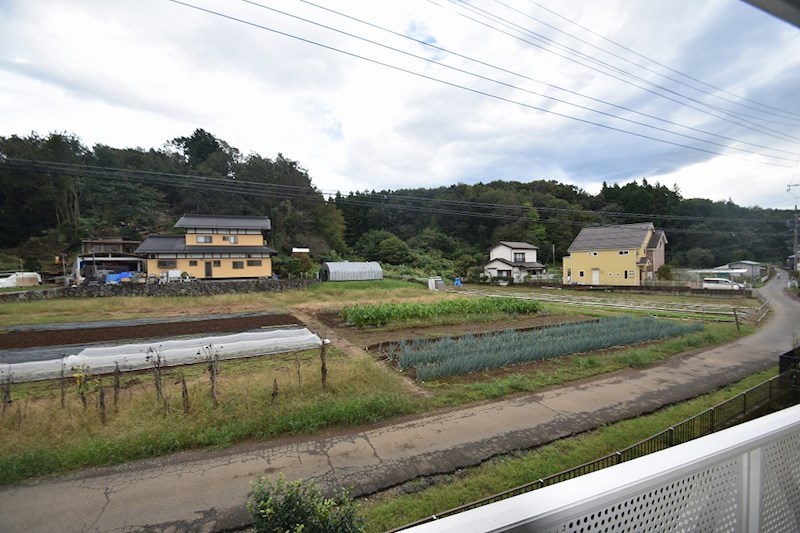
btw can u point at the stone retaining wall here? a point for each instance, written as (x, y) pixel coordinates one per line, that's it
(191, 288)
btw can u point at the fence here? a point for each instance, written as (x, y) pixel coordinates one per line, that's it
(777, 393)
(744, 480)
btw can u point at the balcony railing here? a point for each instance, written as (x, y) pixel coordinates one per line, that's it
(744, 478)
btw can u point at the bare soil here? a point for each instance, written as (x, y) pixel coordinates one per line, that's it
(369, 338)
(87, 335)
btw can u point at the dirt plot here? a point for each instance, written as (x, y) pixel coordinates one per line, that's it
(78, 335)
(368, 338)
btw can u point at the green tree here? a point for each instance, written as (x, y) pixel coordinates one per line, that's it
(368, 245)
(664, 273)
(394, 251)
(699, 258)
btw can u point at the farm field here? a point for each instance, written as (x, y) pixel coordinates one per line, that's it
(275, 396)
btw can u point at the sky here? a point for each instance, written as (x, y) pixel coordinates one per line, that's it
(385, 95)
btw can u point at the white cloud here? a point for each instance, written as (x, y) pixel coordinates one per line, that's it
(128, 74)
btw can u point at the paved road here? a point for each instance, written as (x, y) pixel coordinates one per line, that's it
(205, 491)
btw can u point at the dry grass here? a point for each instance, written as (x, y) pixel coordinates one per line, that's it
(38, 437)
(66, 310)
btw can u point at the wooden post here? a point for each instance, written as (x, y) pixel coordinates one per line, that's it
(324, 367)
(736, 317)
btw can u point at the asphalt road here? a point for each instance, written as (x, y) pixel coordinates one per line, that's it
(205, 491)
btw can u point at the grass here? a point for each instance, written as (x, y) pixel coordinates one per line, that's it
(66, 310)
(390, 509)
(38, 438)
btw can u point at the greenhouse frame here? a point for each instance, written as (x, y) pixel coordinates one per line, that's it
(351, 271)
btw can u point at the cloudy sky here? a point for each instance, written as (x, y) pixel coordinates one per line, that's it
(702, 94)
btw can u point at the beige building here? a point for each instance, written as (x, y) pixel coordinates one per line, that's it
(615, 255)
(213, 247)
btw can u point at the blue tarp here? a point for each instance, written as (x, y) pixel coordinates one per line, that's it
(117, 278)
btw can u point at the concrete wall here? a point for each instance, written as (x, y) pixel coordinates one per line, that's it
(192, 288)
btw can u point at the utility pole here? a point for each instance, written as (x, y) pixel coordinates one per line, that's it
(794, 224)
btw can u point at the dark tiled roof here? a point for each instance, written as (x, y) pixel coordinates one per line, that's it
(162, 244)
(643, 261)
(519, 245)
(657, 236)
(611, 237)
(223, 221)
(229, 250)
(170, 244)
(533, 265)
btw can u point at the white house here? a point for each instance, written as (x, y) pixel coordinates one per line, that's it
(513, 259)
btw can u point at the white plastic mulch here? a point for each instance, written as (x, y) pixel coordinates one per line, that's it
(101, 360)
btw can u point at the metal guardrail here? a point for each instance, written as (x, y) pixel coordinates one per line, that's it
(774, 394)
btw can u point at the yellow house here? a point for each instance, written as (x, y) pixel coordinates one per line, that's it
(214, 247)
(615, 255)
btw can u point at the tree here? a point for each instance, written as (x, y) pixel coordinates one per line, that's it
(369, 245)
(394, 251)
(297, 506)
(699, 258)
(664, 273)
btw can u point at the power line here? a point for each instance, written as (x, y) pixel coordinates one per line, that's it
(648, 69)
(243, 187)
(472, 90)
(744, 123)
(768, 109)
(523, 76)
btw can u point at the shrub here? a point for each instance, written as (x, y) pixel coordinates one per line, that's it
(299, 506)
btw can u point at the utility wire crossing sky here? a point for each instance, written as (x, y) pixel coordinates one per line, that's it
(391, 95)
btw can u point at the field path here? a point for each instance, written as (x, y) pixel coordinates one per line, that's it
(205, 491)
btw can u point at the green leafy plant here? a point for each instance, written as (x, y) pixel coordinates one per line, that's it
(452, 357)
(299, 506)
(363, 315)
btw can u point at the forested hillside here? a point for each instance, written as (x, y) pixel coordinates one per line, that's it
(444, 230)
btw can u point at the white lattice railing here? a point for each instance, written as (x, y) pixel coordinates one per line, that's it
(742, 479)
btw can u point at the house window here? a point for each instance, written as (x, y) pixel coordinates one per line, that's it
(192, 263)
(506, 273)
(626, 274)
(217, 264)
(204, 239)
(254, 262)
(233, 239)
(580, 273)
(592, 253)
(167, 263)
(519, 257)
(630, 274)
(623, 252)
(238, 265)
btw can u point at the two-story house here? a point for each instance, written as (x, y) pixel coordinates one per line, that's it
(513, 259)
(213, 247)
(615, 255)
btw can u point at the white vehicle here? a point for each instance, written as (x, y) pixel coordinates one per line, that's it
(721, 283)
